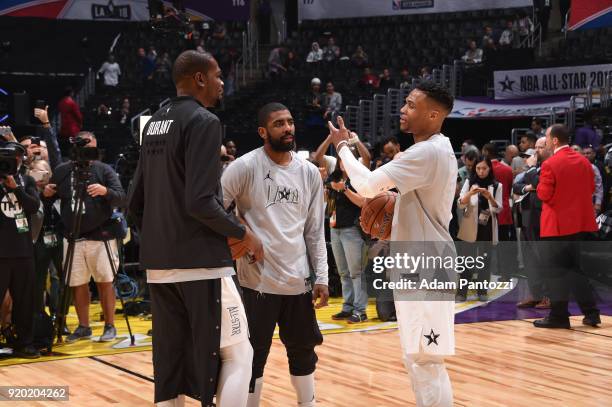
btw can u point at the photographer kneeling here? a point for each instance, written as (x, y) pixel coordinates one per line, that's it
(18, 201)
(103, 193)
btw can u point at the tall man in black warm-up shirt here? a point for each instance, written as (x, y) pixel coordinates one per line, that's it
(18, 202)
(200, 333)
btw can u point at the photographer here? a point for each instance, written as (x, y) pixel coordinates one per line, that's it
(103, 193)
(46, 135)
(18, 201)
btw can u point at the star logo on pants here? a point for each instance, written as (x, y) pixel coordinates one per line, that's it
(432, 338)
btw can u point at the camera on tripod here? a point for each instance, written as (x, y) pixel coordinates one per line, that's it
(80, 153)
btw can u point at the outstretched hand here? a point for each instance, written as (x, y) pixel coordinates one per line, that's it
(340, 134)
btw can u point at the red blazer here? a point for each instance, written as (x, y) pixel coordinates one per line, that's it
(566, 189)
(71, 117)
(503, 175)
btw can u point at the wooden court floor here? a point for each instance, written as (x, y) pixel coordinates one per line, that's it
(507, 363)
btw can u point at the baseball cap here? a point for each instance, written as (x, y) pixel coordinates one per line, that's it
(528, 153)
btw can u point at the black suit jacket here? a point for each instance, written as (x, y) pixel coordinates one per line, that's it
(531, 206)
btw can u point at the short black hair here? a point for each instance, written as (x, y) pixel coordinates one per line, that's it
(264, 113)
(489, 150)
(539, 121)
(561, 132)
(438, 93)
(530, 136)
(189, 62)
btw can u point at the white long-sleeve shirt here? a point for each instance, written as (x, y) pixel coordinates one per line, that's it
(426, 177)
(284, 207)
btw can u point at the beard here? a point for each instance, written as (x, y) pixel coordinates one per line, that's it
(281, 146)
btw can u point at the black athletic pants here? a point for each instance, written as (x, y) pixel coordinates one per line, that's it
(186, 339)
(17, 276)
(298, 330)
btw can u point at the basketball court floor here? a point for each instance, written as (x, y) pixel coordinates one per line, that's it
(502, 360)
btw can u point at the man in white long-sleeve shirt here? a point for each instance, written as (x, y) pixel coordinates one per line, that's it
(425, 176)
(280, 196)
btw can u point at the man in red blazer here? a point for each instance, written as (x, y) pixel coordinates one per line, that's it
(566, 189)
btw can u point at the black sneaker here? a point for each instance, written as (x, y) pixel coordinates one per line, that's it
(357, 318)
(27, 352)
(341, 315)
(82, 332)
(109, 333)
(591, 320)
(551, 323)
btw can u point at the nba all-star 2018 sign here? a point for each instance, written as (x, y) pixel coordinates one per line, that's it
(567, 80)
(322, 9)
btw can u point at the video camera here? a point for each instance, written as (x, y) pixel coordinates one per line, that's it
(9, 151)
(80, 153)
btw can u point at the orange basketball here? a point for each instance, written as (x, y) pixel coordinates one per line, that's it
(237, 247)
(377, 215)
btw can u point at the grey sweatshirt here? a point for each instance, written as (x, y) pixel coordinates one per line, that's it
(284, 207)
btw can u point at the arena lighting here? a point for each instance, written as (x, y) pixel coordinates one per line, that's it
(305, 154)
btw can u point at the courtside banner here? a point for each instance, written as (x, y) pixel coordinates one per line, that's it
(322, 9)
(566, 80)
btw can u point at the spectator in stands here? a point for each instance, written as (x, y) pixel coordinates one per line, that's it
(524, 28)
(473, 55)
(314, 110)
(219, 31)
(481, 199)
(526, 149)
(531, 210)
(359, 58)
(71, 118)
(152, 55)
(537, 127)
(405, 79)
(146, 67)
(488, 35)
(390, 148)
(510, 153)
(110, 71)
(385, 80)
(275, 63)
(230, 148)
(425, 74)
(591, 155)
(163, 71)
(124, 115)
(598, 193)
(503, 174)
(509, 36)
(542, 9)
(331, 52)
(489, 51)
(316, 53)
(292, 63)
(332, 102)
(368, 80)
(468, 159)
(348, 245)
(586, 135)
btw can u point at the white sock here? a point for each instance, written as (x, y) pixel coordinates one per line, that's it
(430, 381)
(253, 400)
(175, 402)
(305, 389)
(235, 375)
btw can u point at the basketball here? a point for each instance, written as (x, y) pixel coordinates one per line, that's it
(377, 215)
(237, 247)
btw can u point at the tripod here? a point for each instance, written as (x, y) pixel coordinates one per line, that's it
(80, 173)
